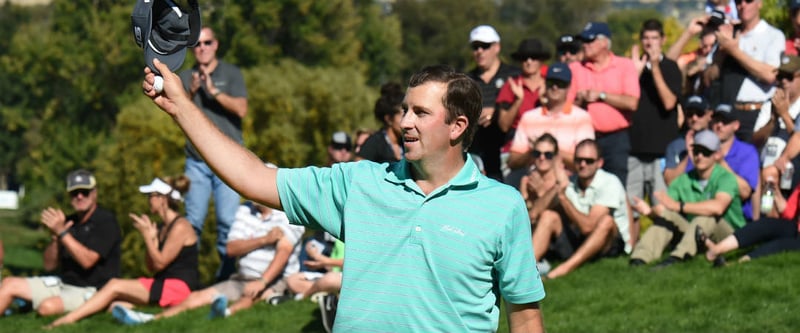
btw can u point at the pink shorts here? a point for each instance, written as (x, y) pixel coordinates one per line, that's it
(174, 292)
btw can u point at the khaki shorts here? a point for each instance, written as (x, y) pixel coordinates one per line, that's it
(44, 287)
(233, 288)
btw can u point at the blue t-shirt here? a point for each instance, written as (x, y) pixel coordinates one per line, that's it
(416, 262)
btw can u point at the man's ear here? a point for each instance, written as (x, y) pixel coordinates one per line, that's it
(458, 127)
(599, 162)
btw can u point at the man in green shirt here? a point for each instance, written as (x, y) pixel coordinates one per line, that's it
(705, 198)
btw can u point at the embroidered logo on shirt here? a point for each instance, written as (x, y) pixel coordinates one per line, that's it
(451, 229)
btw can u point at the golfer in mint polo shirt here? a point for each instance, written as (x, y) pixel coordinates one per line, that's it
(432, 244)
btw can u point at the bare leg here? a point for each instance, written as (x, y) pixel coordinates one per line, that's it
(330, 282)
(13, 287)
(116, 289)
(726, 245)
(194, 300)
(597, 240)
(549, 226)
(245, 303)
(298, 284)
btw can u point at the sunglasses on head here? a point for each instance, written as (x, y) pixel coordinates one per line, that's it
(550, 84)
(480, 45)
(547, 154)
(84, 192)
(698, 150)
(739, 2)
(587, 160)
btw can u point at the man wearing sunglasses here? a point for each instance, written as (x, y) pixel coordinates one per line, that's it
(569, 124)
(607, 86)
(568, 49)
(218, 89)
(697, 114)
(743, 72)
(491, 74)
(84, 247)
(707, 197)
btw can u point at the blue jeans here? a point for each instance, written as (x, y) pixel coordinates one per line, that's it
(226, 200)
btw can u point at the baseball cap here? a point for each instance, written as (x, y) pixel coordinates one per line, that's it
(708, 139)
(164, 31)
(161, 187)
(559, 71)
(80, 179)
(789, 64)
(724, 112)
(569, 42)
(340, 140)
(794, 5)
(695, 102)
(593, 29)
(484, 34)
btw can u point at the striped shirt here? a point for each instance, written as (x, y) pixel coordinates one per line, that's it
(416, 262)
(569, 127)
(249, 226)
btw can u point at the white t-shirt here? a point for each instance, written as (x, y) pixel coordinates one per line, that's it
(248, 226)
(764, 43)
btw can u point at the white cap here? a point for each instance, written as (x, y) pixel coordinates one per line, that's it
(485, 34)
(160, 187)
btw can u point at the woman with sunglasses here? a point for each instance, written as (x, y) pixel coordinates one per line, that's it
(540, 186)
(171, 254)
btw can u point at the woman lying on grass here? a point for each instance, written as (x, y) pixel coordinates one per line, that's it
(171, 254)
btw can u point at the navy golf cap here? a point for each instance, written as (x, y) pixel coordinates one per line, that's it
(164, 31)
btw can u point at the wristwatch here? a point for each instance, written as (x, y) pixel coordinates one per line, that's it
(602, 96)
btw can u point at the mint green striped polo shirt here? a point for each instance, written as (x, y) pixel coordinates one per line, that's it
(416, 262)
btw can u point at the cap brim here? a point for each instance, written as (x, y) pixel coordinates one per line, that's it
(80, 187)
(173, 61)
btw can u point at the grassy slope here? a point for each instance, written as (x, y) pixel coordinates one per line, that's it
(606, 296)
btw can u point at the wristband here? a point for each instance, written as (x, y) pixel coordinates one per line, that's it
(217, 93)
(63, 233)
(682, 203)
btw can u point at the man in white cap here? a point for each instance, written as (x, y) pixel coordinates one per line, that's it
(705, 199)
(491, 74)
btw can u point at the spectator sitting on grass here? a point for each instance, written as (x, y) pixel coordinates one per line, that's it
(593, 218)
(323, 288)
(705, 198)
(267, 244)
(87, 255)
(774, 235)
(171, 254)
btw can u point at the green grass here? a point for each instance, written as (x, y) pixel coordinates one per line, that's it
(606, 296)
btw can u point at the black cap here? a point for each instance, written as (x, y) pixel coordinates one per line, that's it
(164, 31)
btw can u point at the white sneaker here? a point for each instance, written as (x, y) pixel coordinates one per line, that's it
(543, 266)
(129, 317)
(219, 307)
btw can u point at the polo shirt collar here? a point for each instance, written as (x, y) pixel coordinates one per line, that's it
(400, 174)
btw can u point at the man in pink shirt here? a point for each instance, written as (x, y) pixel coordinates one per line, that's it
(607, 86)
(567, 123)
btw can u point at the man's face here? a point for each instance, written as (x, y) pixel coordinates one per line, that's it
(556, 91)
(748, 9)
(485, 54)
(789, 82)
(702, 158)
(724, 128)
(206, 49)
(587, 161)
(425, 133)
(339, 154)
(652, 41)
(698, 119)
(83, 200)
(593, 48)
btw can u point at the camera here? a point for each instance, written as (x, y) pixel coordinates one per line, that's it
(715, 19)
